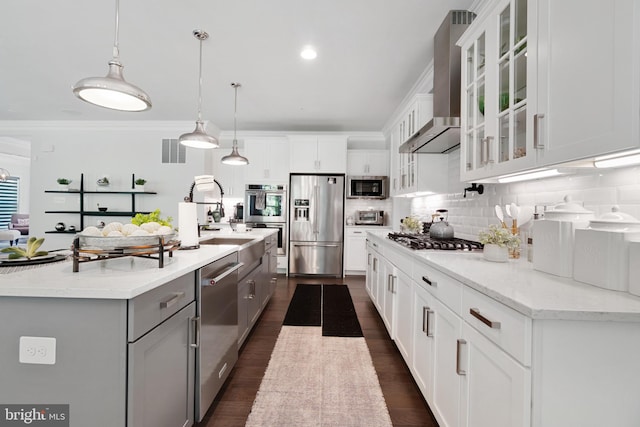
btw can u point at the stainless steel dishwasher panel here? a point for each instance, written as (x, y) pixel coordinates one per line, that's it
(217, 309)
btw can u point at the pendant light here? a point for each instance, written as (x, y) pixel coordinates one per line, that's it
(113, 91)
(4, 174)
(235, 158)
(199, 137)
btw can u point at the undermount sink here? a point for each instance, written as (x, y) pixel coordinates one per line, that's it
(226, 241)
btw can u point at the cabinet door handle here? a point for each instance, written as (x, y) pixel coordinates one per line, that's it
(389, 280)
(489, 157)
(490, 323)
(369, 259)
(425, 321)
(375, 265)
(195, 321)
(537, 144)
(171, 300)
(429, 282)
(459, 343)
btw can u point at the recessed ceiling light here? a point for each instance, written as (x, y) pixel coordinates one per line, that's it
(309, 53)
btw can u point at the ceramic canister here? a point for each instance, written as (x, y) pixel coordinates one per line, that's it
(553, 237)
(602, 251)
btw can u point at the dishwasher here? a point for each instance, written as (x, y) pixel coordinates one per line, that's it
(217, 328)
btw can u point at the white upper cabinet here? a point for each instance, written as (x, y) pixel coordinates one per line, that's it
(268, 160)
(368, 162)
(411, 172)
(542, 86)
(497, 74)
(588, 78)
(318, 153)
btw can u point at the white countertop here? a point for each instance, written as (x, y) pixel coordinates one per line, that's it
(120, 278)
(533, 293)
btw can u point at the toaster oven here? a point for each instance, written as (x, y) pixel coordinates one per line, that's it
(369, 217)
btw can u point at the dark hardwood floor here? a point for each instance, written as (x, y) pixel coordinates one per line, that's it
(404, 400)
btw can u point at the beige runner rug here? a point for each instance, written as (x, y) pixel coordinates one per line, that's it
(313, 380)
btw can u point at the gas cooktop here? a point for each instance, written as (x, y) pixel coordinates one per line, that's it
(424, 241)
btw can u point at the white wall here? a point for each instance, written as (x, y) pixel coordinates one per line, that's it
(68, 149)
(598, 190)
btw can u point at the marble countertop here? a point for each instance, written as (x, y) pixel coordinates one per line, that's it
(120, 278)
(533, 293)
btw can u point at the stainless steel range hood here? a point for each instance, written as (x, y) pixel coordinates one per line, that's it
(442, 133)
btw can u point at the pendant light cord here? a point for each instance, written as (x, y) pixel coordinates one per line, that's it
(116, 50)
(200, 84)
(235, 113)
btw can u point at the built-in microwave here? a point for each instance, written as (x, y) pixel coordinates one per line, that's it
(367, 187)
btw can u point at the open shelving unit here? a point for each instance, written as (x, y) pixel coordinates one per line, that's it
(82, 212)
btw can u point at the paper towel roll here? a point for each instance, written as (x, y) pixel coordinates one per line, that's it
(188, 224)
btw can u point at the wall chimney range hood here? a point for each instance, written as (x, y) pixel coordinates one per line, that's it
(442, 133)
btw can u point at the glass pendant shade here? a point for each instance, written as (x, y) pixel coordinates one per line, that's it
(4, 174)
(112, 91)
(235, 158)
(199, 138)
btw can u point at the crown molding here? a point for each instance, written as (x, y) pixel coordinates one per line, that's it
(138, 125)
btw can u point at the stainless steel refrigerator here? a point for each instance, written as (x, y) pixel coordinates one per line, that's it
(316, 218)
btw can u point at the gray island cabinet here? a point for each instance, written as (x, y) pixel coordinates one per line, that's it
(125, 335)
(118, 362)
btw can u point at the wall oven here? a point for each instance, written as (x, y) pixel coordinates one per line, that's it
(282, 235)
(265, 203)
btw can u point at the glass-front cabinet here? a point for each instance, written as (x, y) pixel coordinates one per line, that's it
(496, 116)
(405, 165)
(543, 86)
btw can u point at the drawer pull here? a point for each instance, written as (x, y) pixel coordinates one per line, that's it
(425, 321)
(476, 313)
(429, 282)
(459, 344)
(172, 300)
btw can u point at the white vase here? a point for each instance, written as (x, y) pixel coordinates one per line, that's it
(63, 187)
(495, 253)
(139, 187)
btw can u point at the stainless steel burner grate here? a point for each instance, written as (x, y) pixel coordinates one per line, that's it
(423, 241)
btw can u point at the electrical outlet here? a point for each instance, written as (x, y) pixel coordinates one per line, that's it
(38, 350)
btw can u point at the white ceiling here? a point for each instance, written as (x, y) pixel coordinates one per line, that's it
(370, 53)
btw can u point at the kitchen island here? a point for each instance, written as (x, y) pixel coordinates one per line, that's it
(113, 323)
(501, 344)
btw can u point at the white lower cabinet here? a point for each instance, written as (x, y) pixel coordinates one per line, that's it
(385, 296)
(481, 363)
(496, 389)
(403, 323)
(373, 266)
(355, 258)
(471, 373)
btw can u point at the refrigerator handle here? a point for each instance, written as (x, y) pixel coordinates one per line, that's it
(316, 194)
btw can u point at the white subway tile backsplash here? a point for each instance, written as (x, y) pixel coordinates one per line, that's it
(629, 194)
(597, 190)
